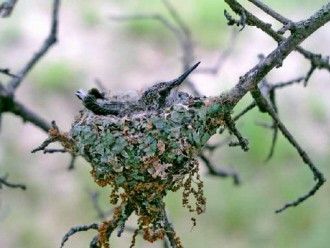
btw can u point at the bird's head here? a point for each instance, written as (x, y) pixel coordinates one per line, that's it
(81, 94)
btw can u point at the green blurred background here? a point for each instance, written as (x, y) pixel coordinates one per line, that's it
(129, 56)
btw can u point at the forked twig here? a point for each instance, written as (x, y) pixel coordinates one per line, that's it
(220, 172)
(4, 181)
(76, 229)
(318, 176)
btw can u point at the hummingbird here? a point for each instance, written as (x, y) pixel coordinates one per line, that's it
(156, 97)
(95, 101)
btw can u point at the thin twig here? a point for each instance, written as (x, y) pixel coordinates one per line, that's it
(48, 141)
(49, 41)
(309, 73)
(181, 32)
(219, 172)
(4, 181)
(95, 201)
(80, 228)
(43, 145)
(316, 59)
(239, 115)
(287, 83)
(318, 176)
(244, 111)
(271, 12)
(272, 98)
(7, 72)
(72, 161)
(170, 232)
(242, 142)
(115, 222)
(186, 43)
(231, 21)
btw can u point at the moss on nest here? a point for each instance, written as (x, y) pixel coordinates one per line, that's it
(145, 154)
(143, 148)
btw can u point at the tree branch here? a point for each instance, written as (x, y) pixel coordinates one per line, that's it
(6, 8)
(7, 72)
(29, 116)
(219, 172)
(50, 40)
(170, 232)
(275, 58)
(318, 60)
(4, 181)
(318, 176)
(271, 12)
(76, 229)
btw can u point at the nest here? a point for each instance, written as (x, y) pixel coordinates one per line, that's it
(143, 149)
(147, 154)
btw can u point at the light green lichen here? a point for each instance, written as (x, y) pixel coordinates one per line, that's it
(146, 154)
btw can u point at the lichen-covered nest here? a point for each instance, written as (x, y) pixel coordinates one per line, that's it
(144, 148)
(144, 155)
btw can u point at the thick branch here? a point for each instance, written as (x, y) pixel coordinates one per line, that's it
(316, 59)
(275, 58)
(9, 104)
(30, 116)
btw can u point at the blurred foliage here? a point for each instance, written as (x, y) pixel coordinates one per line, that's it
(90, 15)
(57, 76)
(289, 6)
(205, 17)
(10, 34)
(318, 109)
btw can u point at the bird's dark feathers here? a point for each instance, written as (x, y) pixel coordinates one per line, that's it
(95, 92)
(156, 97)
